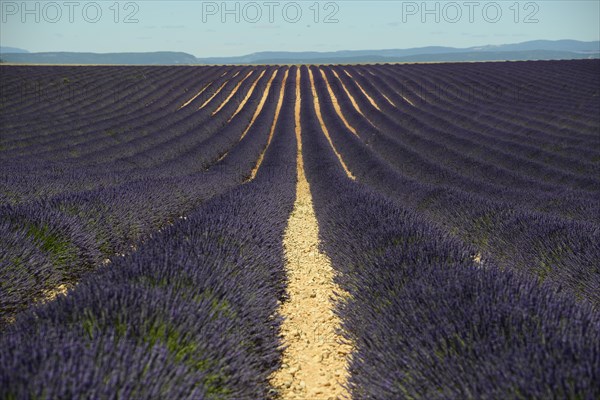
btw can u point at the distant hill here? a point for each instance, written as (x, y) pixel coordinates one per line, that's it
(532, 50)
(554, 45)
(12, 50)
(441, 57)
(158, 58)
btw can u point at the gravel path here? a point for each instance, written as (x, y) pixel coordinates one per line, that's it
(315, 359)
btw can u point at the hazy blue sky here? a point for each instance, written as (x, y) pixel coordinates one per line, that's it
(203, 28)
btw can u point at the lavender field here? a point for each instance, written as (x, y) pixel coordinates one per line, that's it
(145, 235)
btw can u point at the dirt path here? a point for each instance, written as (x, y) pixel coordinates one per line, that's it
(194, 98)
(215, 93)
(336, 104)
(232, 93)
(315, 358)
(258, 108)
(261, 103)
(247, 97)
(324, 127)
(352, 99)
(272, 131)
(388, 100)
(364, 92)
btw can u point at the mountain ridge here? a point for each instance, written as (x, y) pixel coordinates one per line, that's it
(529, 50)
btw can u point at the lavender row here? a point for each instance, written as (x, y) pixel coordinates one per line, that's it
(480, 120)
(24, 87)
(192, 314)
(120, 135)
(43, 176)
(113, 100)
(563, 251)
(26, 180)
(431, 126)
(553, 88)
(479, 123)
(414, 160)
(99, 96)
(461, 162)
(112, 219)
(162, 131)
(87, 90)
(519, 90)
(426, 320)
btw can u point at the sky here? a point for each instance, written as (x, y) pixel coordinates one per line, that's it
(218, 28)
